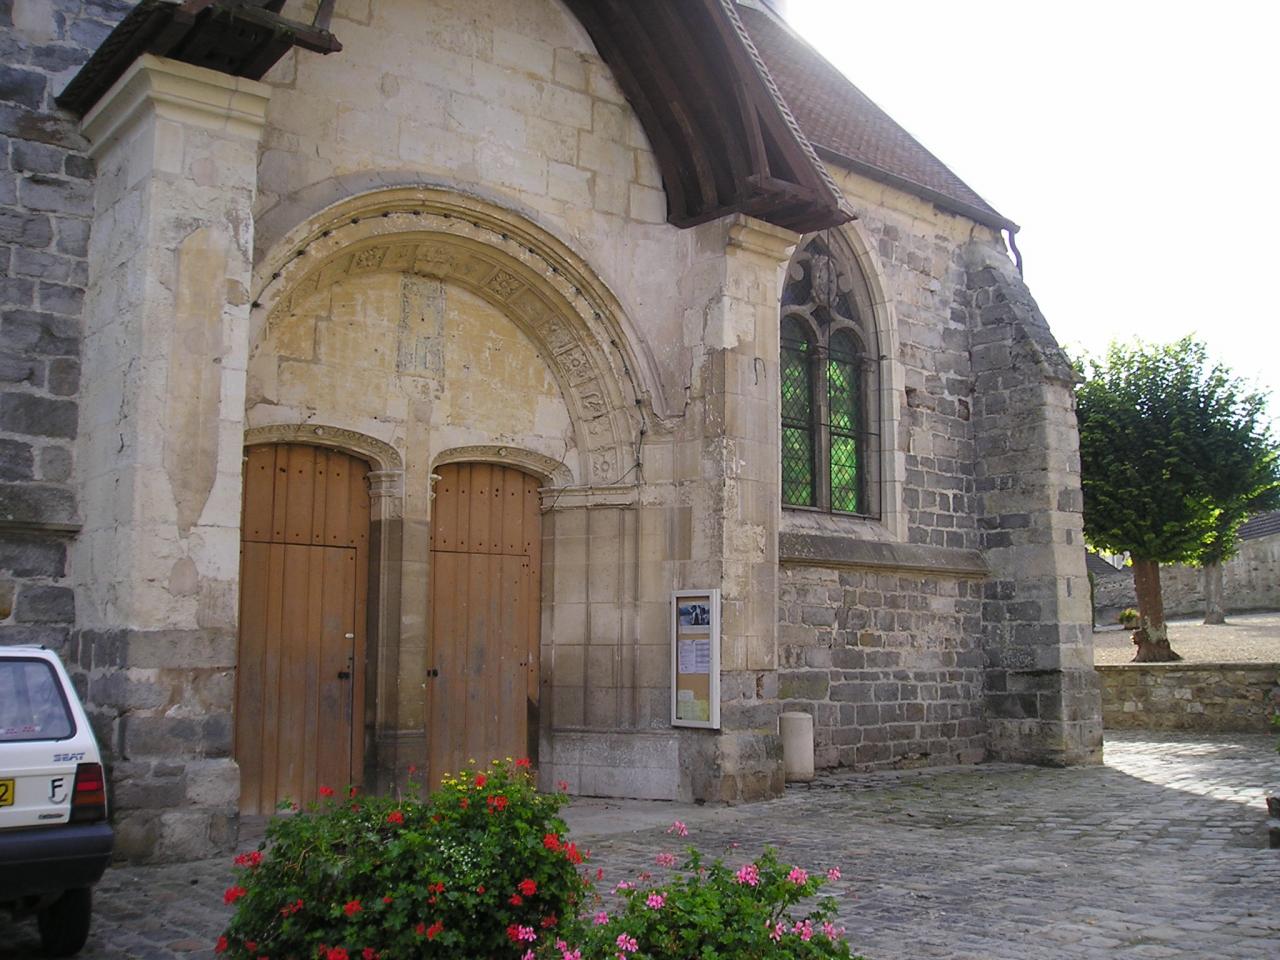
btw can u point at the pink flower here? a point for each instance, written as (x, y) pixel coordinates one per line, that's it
(799, 876)
(678, 828)
(571, 955)
(665, 859)
(750, 875)
(833, 873)
(627, 944)
(525, 934)
(829, 930)
(776, 933)
(805, 929)
(655, 901)
(528, 955)
(601, 918)
(623, 885)
(563, 785)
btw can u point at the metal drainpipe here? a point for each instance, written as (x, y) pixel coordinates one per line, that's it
(1017, 254)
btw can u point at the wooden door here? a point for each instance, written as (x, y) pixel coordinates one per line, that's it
(486, 561)
(303, 583)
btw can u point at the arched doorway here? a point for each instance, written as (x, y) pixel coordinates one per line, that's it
(304, 571)
(486, 560)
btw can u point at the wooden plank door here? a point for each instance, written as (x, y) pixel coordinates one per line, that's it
(486, 561)
(303, 585)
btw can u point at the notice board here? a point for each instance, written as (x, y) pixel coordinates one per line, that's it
(695, 658)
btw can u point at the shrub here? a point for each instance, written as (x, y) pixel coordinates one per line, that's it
(1129, 618)
(464, 873)
(711, 911)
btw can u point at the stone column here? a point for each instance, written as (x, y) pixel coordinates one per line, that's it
(739, 536)
(160, 445)
(1042, 693)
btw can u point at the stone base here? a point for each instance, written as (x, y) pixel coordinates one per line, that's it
(638, 766)
(1046, 717)
(174, 810)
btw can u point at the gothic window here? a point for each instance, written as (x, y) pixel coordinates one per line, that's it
(829, 378)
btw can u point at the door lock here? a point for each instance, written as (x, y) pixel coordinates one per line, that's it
(344, 674)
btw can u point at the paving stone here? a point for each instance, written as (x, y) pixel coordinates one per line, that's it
(996, 862)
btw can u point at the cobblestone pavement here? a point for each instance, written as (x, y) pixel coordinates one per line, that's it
(1159, 854)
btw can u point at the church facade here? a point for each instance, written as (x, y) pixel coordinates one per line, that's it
(373, 375)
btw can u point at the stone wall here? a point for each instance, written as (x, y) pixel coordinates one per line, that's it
(888, 662)
(45, 209)
(1203, 697)
(1250, 581)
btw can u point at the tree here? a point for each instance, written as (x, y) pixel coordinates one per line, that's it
(1166, 437)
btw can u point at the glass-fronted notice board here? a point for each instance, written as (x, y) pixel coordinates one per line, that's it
(695, 658)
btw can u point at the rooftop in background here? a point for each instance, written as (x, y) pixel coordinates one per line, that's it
(1263, 525)
(847, 128)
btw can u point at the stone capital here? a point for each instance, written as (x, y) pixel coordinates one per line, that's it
(179, 92)
(774, 244)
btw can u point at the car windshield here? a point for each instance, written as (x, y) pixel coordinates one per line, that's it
(32, 705)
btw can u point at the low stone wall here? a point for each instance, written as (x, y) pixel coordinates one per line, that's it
(1205, 697)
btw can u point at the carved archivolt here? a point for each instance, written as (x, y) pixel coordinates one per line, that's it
(555, 473)
(381, 455)
(532, 278)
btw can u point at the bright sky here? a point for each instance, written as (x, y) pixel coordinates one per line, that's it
(1135, 142)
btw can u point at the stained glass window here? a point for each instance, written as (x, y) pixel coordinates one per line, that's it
(797, 417)
(828, 375)
(843, 422)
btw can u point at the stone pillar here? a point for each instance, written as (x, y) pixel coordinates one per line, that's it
(1042, 694)
(160, 446)
(739, 536)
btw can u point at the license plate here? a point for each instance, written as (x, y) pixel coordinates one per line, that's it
(6, 793)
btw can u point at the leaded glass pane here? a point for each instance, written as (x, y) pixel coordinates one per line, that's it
(797, 418)
(843, 417)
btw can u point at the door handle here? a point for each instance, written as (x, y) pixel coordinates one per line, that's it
(344, 674)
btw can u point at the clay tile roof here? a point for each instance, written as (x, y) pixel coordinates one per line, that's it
(846, 126)
(1263, 525)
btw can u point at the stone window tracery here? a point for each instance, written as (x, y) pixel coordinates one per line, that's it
(829, 374)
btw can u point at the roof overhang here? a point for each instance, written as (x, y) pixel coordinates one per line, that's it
(242, 38)
(723, 137)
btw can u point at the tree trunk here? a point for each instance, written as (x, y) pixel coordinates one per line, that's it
(1152, 636)
(1213, 609)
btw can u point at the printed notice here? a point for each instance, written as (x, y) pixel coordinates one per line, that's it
(693, 656)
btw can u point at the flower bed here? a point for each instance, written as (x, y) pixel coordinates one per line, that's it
(482, 868)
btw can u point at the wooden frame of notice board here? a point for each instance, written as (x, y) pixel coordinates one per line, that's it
(695, 658)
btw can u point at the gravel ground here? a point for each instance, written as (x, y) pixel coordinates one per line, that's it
(1245, 637)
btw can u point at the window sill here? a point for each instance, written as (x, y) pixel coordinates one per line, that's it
(809, 548)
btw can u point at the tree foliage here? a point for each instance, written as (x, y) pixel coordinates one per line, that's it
(1174, 453)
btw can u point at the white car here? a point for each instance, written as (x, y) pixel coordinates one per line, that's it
(55, 841)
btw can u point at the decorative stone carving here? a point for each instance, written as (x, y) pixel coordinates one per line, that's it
(533, 279)
(382, 455)
(555, 473)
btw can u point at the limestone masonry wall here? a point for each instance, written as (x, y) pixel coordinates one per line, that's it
(45, 208)
(1204, 697)
(1250, 581)
(889, 665)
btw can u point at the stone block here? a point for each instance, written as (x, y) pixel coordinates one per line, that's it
(37, 416)
(22, 86)
(16, 460)
(25, 228)
(45, 604)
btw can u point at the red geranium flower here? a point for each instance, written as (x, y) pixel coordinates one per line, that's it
(551, 841)
(523, 763)
(233, 894)
(352, 907)
(369, 954)
(221, 946)
(480, 889)
(481, 780)
(464, 803)
(326, 791)
(395, 817)
(434, 930)
(251, 859)
(548, 921)
(337, 953)
(527, 887)
(420, 929)
(516, 900)
(571, 853)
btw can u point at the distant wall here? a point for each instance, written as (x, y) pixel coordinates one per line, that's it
(1205, 697)
(1250, 581)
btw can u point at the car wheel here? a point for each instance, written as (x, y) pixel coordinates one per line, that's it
(64, 924)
